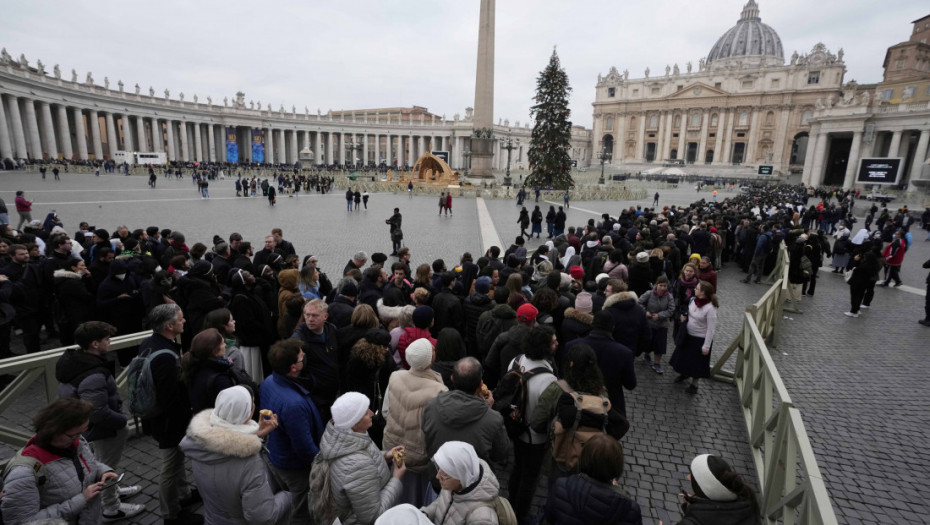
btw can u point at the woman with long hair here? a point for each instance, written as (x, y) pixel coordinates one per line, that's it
(682, 290)
(222, 319)
(309, 284)
(449, 349)
(692, 355)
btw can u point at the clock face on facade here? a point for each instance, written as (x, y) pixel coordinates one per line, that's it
(697, 90)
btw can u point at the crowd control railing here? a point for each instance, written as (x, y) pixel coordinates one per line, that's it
(29, 367)
(792, 488)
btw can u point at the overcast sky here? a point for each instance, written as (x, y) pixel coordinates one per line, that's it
(387, 53)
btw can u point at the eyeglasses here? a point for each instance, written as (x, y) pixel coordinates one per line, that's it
(442, 476)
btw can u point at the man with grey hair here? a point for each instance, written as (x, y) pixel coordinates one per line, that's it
(356, 263)
(170, 424)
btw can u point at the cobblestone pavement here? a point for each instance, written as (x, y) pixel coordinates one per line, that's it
(854, 380)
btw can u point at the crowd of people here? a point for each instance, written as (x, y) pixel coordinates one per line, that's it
(394, 392)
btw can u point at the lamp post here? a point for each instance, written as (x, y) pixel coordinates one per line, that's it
(605, 156)
(467, 155)
(509, 144)
(352, 148)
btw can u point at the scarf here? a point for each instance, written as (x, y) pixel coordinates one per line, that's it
(655, 291)
(701, 302)
(689, 286)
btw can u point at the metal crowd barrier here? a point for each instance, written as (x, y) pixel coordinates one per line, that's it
(29, 367)
(793, 490)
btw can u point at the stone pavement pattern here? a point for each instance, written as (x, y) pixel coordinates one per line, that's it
(668, 426)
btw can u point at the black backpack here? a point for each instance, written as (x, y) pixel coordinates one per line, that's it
(511, 394)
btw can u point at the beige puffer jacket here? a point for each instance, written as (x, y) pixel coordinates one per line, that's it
(408, 393)
(475, 507)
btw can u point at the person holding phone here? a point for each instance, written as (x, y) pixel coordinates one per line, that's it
(73, 478)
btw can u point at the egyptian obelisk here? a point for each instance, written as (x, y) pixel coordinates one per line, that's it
(482, 148)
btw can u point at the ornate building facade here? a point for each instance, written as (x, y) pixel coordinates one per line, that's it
(741, 105)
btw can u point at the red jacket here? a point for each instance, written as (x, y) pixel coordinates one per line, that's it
(22, 204)
(894, 252)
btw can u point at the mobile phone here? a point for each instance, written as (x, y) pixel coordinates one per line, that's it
(113, 481)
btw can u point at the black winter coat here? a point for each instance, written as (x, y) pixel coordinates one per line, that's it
(208, 379)
(475, 305)
(449, 312)
(706, 512)
(198, 296)
(90, 377)
(340, 311)
(254, 326)
(75, 298)
(580, 500)
(170, 425)
(631, 328)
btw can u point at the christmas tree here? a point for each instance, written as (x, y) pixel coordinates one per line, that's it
(550, 164)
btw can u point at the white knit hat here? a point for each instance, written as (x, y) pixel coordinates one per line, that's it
(403, 514)
(704, 479)
(419, 354)
(349, 409)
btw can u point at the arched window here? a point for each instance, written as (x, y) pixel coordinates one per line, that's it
(610, 123)
(632, 122)
(744, 118)
(677, 121)
(713, 120)
(770, 118)
(806, 117)
(695, 119)
(653, 121)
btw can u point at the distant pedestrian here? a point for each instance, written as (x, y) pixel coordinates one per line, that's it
(449, 203)
(565, 198)
(442, 202)
(271, 195)
(365, 196)
(655, 200)
(357, 198)
(24, 208)
(55, 172)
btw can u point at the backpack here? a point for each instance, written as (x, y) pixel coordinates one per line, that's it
(578, 418)
(322, 504)
(18, 459)
(143, 401)
(504, 511)
(511, 395)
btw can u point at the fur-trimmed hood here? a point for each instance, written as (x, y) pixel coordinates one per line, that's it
(67, 274)
(618, 297)
(370, 354)
(581, 317)
(209, 443)
(391, 313)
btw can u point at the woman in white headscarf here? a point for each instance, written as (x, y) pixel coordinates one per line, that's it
(569, 253)
(469, 488)
(224, 445)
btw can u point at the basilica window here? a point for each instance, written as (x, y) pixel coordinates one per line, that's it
(695, 119)
(653, 121)
(813, 77)
(677, 121)
(775, 82)
(806, 117)
(713, 120)
(908, 92)
(655, 91)
(899, 64)
(611, 92)
(632, 122)
(770, 118)
(610, 123)
(744, 118)
(887, 94)
(718, 85)
(635, 92)
(747, 84)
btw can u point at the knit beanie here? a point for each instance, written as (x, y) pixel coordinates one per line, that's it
(576, 272)
(349, 408)
(419, 354)
(483, 284)
(583, 302)
(423, 316)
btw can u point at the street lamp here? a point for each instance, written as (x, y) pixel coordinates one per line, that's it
(509, 144)
(467, 155)
(352, 148)
(605, 156)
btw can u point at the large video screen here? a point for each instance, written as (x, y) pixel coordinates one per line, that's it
(885, 170)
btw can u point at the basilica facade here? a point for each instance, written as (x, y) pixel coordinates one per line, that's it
(743, 104)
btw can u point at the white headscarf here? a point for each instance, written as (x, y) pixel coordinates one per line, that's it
(569, 253)
(403, 514)
(459, 460)
(861, 236)
(233, 410)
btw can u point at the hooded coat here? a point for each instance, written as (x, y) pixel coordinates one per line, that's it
(706, 512)
(460, 416)
(474, 505)
(199, 294)
(231, 476)
(125, 313)
(360, 480)
(90, 377)
(631, 328)
(581, 500)
(75, 298)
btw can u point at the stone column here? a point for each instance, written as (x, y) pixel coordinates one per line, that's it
(377, 149)
(641, 139)
(185, 143)
(702, 143)
(727, 137)
(387, 149)
(618, 152)
(330, 159)
(292, 158)
(852, 164)
(80, 133)
(19, 137)
(32, 127)
(269, 145)
(140, 134)
(778, 154)
(812, 140)
(317, 147)
(158, 140)
(6, 144)
(920, 159)
(112, 144)
(48, 130)
(343, 140)
(211, 142)
(895, 148)
(198, 143)
(172, 151)
(411, 144)
(282, 147)
(96, 143)
(484, 90)
(753, 138)
(816, 177)
(127, 134)
(364, 149)
(667, 141)
(682, 133)
(64, 133)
